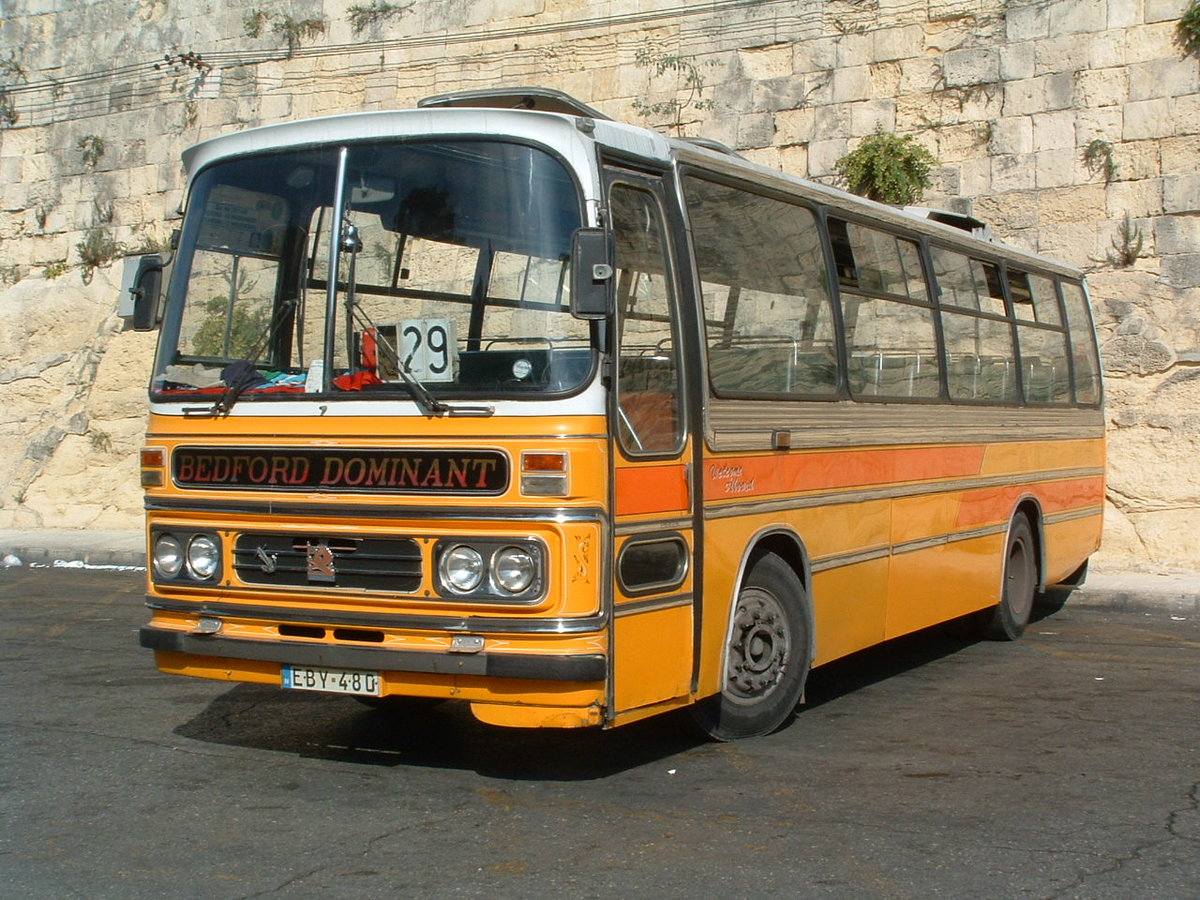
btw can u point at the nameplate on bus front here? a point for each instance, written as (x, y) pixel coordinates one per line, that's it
(300, 469)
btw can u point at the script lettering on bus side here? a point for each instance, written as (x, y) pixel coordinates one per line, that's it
(404, 471)
(731, 478)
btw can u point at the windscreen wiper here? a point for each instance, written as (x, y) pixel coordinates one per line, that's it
(421, 394)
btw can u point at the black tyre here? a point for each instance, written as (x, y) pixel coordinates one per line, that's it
(767, 655)
(1007, 619)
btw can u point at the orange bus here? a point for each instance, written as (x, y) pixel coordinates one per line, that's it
(500, 401)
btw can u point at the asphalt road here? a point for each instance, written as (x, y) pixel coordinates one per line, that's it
(1065, 765)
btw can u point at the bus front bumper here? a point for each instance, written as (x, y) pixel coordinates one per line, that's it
(581, 667)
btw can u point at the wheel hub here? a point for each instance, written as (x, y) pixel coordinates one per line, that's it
(758, 646)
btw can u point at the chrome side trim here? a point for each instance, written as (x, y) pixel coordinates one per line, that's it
(825, 563)
(842, 560)
(1071, 515)
(641, 606)
(624, 529)
(892, 492)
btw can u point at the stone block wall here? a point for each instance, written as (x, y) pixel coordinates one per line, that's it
(98, 98)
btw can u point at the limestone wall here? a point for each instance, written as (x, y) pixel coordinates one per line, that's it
(98, 98)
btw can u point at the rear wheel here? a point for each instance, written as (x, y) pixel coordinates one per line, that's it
(767, 655)
(1007, 619)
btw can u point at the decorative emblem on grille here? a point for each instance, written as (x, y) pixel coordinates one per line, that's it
(270, 561)
(320, 563)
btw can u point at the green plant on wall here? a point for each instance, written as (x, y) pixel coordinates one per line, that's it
(8, 109)
(1099, 158)
(374, 13)
(689, 83)
(254, 22)
(888, 168)
(95, 250)
(293, 31)
(91, 148)
(1127, 245)
(11, 71)
(1187, 32)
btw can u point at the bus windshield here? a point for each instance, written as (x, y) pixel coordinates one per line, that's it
(452, 276)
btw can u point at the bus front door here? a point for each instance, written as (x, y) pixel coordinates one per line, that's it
(654, 614)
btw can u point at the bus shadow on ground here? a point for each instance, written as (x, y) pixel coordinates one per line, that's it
(446, 735)
(910, 652)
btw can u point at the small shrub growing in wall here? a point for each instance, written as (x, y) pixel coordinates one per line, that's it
(11, 71)
(91, 148)
(1127, 245)
(254, 22)
(689, 80)
(375, 13)
(1187, 32)
(95, 250)
(1099, 158)
(293, 31)
(888, 168)
(8, 109)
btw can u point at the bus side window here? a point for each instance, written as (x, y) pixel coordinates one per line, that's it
(891, 345)
(767, 310)
(648, 409)
(1083, 344)
(981, 361)
(1045, 371)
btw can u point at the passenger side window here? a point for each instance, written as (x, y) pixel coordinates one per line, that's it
(768, 315)
(1045, 372)
(891, 342)
(1083, 343)
(981, 361)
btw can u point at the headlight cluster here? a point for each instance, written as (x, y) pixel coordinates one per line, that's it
(186, 556)
(501, 570)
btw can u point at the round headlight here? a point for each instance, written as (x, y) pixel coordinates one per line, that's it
(203, 556)
(513, 569)
(462, 568)
(168, 556)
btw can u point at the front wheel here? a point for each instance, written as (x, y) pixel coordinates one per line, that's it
(767, 655)
(1007, 619)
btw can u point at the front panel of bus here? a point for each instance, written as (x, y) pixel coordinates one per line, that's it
(377, 459)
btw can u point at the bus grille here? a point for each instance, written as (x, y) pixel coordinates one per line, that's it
(286, 560)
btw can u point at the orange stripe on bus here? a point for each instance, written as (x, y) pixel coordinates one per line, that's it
(760, 475)
(986, 506)
(651, 489)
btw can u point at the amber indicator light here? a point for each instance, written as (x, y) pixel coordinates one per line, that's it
(543, 462)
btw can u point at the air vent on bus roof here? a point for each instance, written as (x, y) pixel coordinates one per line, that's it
(535, 98)
(710, 144)
(977, 227)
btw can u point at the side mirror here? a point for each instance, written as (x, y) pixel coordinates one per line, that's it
(591, 273)
(141, 287)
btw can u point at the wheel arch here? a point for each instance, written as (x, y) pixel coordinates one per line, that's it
(1031, 507)
(789, 546)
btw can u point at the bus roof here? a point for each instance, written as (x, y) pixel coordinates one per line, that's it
(557, 120)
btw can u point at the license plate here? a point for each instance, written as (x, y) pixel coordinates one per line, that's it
(330, 680)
